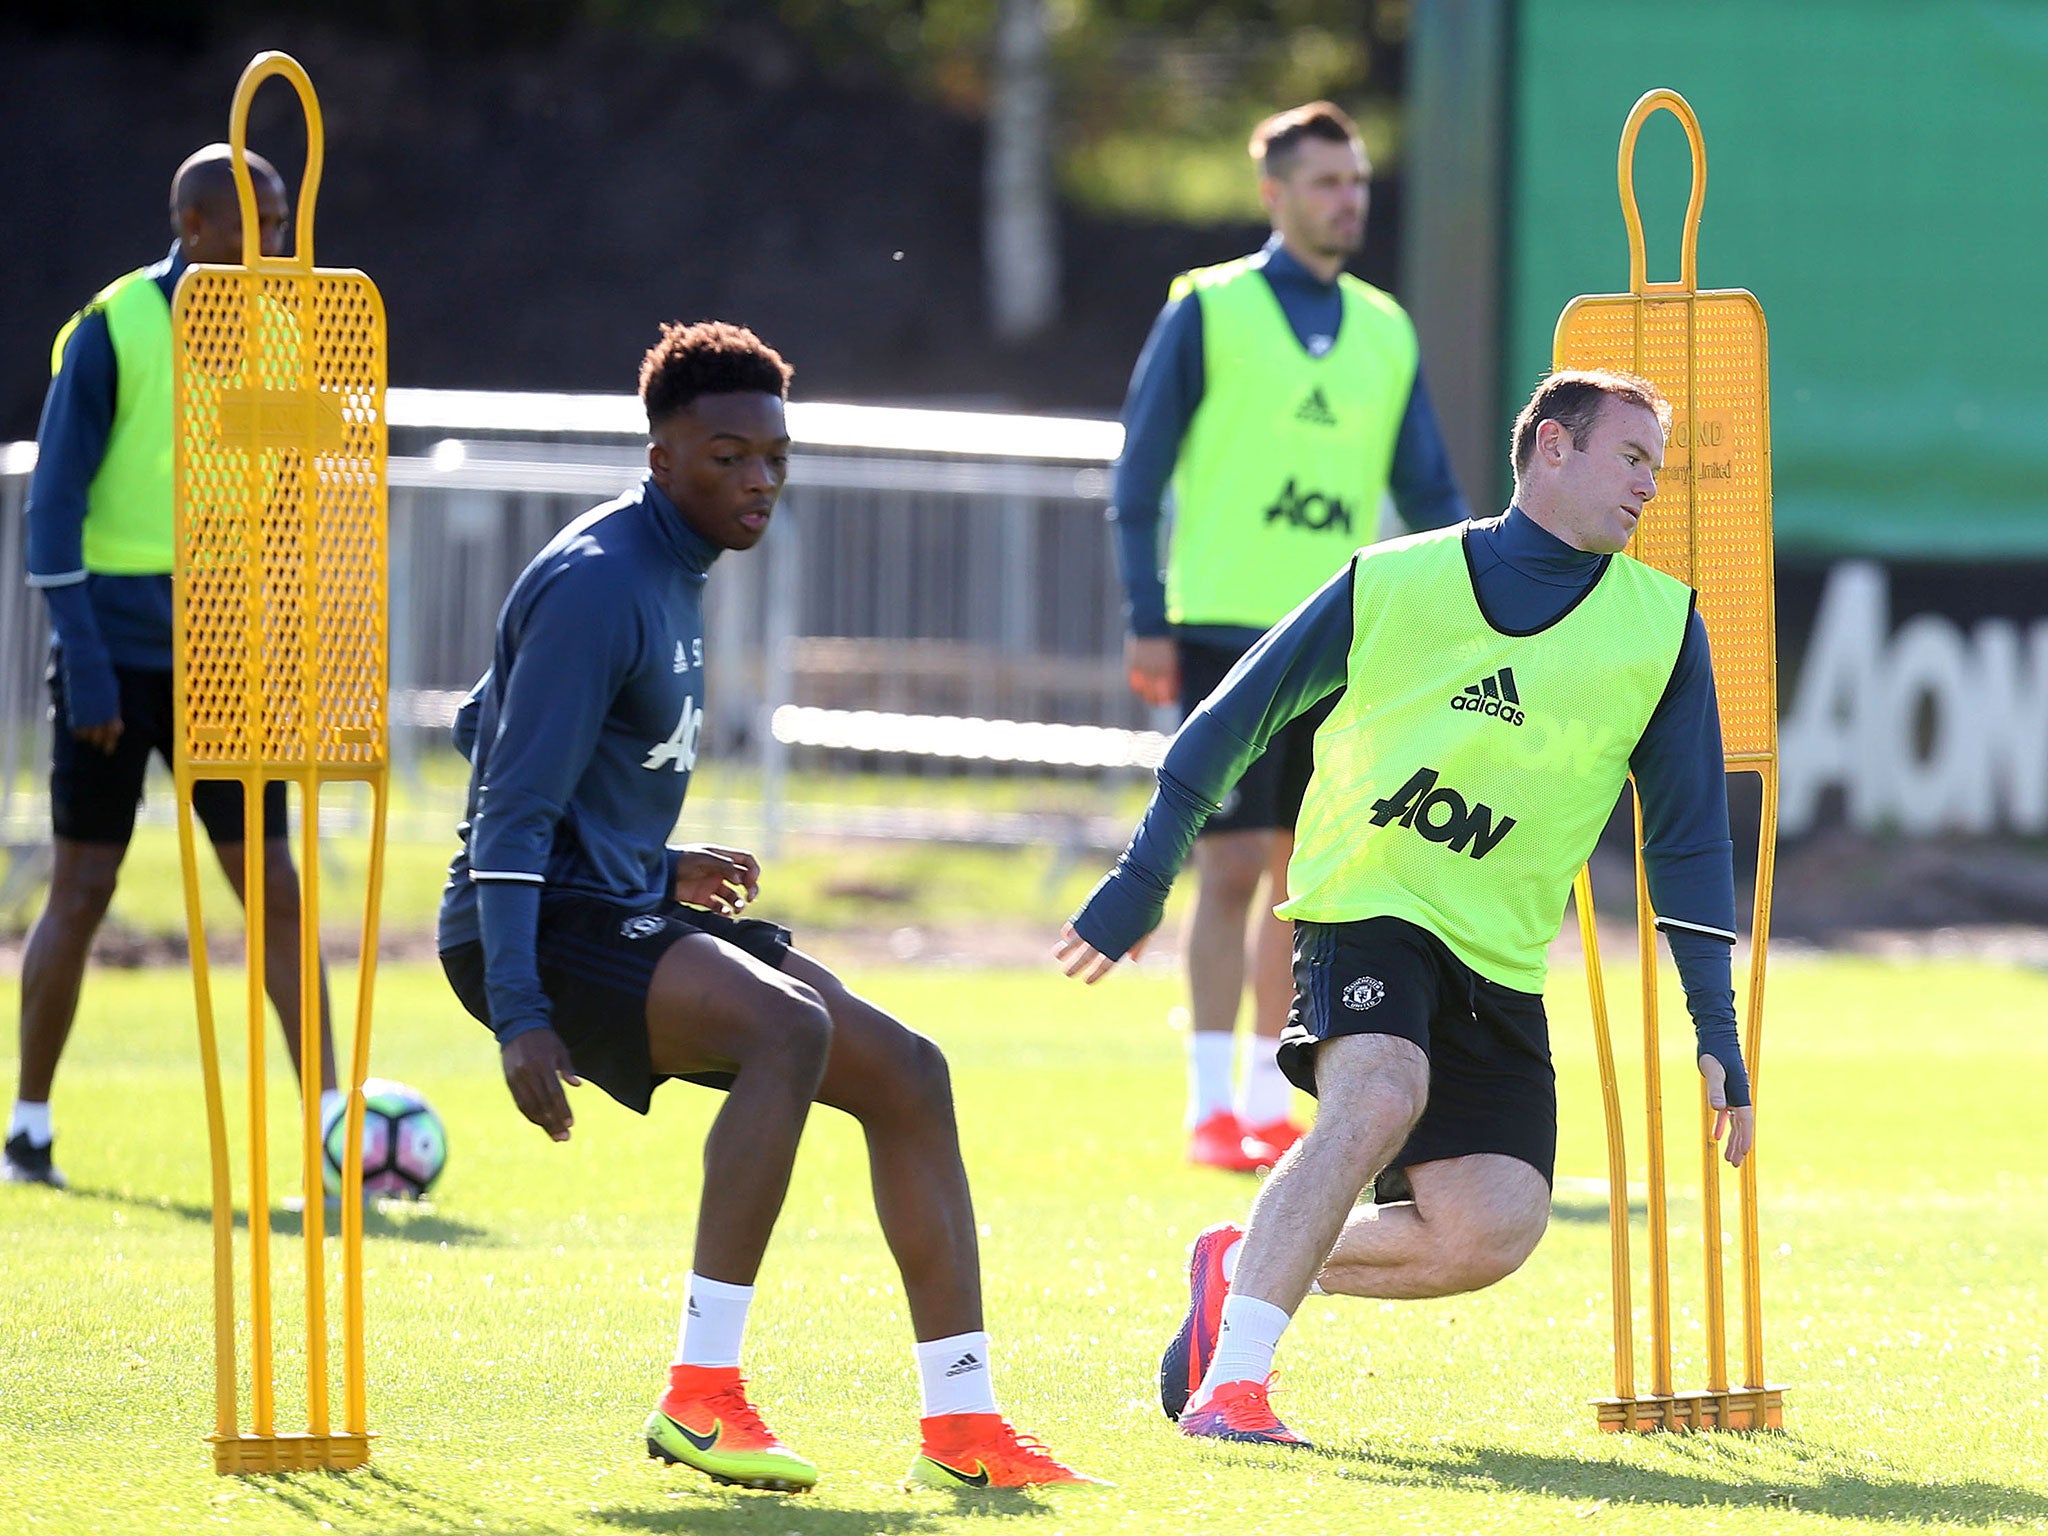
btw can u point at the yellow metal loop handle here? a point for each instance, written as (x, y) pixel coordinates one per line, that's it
(260, 69)
(1625, 172)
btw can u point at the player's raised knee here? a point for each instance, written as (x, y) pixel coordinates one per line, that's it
(924, 1077)
(806, 1023)
(796, 1037)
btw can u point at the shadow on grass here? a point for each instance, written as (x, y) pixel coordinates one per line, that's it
(371, 1499)
(1735, 1471)
(384, 1218)
(722, 1510)
(1589, 1210)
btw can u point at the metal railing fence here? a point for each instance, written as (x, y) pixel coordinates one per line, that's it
(916, 608)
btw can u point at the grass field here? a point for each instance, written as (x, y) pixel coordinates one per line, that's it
(519, 1327)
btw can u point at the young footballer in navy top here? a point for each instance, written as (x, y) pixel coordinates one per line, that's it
(594, 952)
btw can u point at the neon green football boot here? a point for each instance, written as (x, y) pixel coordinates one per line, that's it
(705, 1421)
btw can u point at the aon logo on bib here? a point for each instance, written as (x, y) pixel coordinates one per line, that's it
(1442, 815)
(679, 752)
(1310, 509)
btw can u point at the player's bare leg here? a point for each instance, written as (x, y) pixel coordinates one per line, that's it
(1229, 867)
(1265, 1100)
(281, 945)
(1273, 945)
(1370, 1090)
(711, 1008)
(82, 880)
(896, 1084)
(1473, 1221)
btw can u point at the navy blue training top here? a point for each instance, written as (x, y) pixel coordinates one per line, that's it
(1526, 578)
(581, 737)
(1166, 387)
(99, 622)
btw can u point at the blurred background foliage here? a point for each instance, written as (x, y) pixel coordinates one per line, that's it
(1155, 98)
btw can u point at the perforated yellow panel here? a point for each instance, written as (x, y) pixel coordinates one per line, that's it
(1710, 524)
(281, 543)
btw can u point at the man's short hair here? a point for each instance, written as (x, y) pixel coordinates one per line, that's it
(708, 358)
(1275, 141)
(1573, 397)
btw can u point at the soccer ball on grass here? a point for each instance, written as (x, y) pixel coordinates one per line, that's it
(405, 1146)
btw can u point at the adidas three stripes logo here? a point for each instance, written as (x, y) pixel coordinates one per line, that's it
(1492, 695)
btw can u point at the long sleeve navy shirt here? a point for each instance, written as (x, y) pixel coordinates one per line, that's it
(581, 738)
(1525, 578)
(1166, 387)
(98, 621)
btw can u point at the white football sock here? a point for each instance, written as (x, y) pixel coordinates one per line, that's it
(1244, 1345)
(1265, 1095)
(954, 1374)
(34, 1119)
(714, 1321)
(1230, 1257)
(1212, 1062)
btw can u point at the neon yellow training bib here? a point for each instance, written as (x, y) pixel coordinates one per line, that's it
(1285, 463)
(1465, 774)
(128, 518)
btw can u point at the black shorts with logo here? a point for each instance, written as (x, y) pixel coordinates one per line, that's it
(1268, 797)
(1491, 1084)
(597, 962)
(94, 794)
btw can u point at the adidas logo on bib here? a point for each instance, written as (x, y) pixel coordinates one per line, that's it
(1315, 410)
(1494, 696)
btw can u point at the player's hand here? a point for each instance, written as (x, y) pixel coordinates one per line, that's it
(106, 735)
(721, 879)
(1152, 663)
(1738, 1123)
(1077, 957)
(536, 1065)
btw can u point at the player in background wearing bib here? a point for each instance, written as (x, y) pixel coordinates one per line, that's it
(1282, 399)
(1495, 686)
(99, 550)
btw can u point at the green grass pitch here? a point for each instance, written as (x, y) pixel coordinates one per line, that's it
(518, 1328)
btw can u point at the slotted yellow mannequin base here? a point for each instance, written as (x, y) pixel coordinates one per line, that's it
(1737, 1408)
(244, 1454)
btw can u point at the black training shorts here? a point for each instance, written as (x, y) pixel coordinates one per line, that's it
(1268, 797)
(1491, 1085)
(94, 794)
(597, 962)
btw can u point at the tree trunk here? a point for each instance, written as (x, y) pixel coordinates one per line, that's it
(1020, 231)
